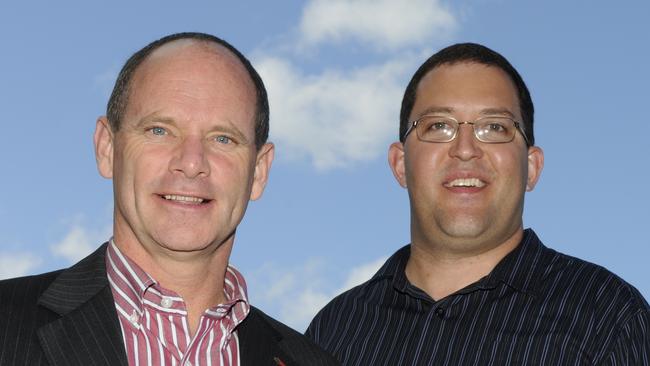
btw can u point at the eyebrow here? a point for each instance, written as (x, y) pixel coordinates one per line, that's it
(484, 112)
(154, 117)
(436, 110)
(229, 127)
(502, 111)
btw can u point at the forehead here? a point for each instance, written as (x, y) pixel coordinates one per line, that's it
(185, 57)
(190, 72)
(466, 86)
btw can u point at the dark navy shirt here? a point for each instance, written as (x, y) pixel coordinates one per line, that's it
(536, 307)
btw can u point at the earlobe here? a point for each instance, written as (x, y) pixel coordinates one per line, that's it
(262, 168)
(535, 166)
(103, 139)
(396, 162)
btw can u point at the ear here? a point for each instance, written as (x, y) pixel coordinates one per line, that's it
(535, 166)
(262, 169)
(103, 139)
(396, 162)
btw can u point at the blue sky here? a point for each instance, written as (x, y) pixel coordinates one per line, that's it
(335, 71)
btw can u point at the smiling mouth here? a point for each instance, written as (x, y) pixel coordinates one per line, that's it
(465, 182)
(185, 199)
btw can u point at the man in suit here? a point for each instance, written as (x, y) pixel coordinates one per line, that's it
(184, 141)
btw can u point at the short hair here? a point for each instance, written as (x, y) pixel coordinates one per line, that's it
(469, 52)
(120, 96)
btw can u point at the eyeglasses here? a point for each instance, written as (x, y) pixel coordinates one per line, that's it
(489, 129)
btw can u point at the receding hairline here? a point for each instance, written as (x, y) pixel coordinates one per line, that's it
(204, 44)
(172, 48)
(176, 48)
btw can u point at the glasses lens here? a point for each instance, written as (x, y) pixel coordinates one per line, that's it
(436, 129)
(495, 129)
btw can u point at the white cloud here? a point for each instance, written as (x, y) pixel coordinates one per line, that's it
(297, 294)
(301, 309)
(17, 264)
(336, 118)
(361, 274)
(339, 117)
(385, 24)
(78, 243)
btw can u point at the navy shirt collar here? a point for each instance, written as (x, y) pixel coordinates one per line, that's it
(519, 269)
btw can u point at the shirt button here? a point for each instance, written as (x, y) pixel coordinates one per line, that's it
(187, 363)
(440, 313)
(166, 302)
(134, 319)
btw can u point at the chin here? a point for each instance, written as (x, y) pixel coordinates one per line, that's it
(185, 241)
(465, 227)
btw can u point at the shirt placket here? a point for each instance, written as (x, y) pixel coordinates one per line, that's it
(198, 345)
(169, 331)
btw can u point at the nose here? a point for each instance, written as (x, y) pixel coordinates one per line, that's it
(190, 158)
(465, 146)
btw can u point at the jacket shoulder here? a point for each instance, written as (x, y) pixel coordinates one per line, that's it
(24, 291)
(298, 346)
(22, 317)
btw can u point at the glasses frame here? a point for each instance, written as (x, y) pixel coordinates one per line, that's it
(414, 124)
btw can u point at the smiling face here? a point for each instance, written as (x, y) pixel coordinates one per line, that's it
(184, 162)
(466, 196)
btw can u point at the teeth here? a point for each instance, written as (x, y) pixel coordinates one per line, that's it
(466, 182)
(175, 197)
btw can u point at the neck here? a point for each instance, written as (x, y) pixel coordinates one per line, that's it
(440, 272)
(197, 277)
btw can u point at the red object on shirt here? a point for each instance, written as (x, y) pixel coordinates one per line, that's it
(154, 322)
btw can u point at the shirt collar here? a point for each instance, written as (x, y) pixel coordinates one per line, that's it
(394, 270)
(127, 279)
(133, 282)
(519, 269)
(523, 267)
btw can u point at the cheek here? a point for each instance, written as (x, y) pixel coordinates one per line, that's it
(230, 172)
(222, 166)
(138, 166)
(423, 166)
(513, 167)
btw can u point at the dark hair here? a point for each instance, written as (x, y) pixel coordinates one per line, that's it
(469, 52)
(120, 95)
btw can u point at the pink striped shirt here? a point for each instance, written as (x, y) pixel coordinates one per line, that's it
(154, 320)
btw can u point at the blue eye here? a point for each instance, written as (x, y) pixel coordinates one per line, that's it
(223, 139)
(158, 131)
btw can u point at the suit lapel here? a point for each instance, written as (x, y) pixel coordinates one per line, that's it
(88, 331)
(260, 344)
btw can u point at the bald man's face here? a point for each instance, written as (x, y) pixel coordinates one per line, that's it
(184, 162)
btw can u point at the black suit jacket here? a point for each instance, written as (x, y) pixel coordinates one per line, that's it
(68, 317)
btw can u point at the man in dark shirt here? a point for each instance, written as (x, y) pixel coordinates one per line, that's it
(474, 287)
